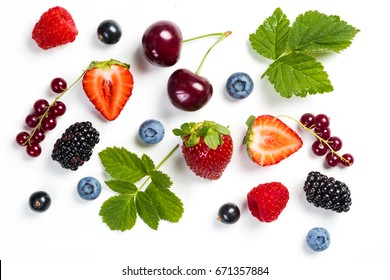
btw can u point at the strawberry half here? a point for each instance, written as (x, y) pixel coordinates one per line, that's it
(269, 140)
(108, 85)
(207, 148)
(54, 28)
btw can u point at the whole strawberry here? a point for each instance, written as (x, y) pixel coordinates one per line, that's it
(55, 27)
(267, 201)
(207, 148)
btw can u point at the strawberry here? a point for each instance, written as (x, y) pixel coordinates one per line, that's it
(267, 201)
(108, 85)
(207, 148)
(269, 140)
(54, 28)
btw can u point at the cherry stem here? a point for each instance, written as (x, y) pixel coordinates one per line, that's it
(160, 164)
(322, 140)
(222, 35)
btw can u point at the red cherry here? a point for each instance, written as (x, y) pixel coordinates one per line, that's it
(188, 91)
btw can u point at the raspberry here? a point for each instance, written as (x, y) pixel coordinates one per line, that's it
(75, 146)
(267, 201)
(327, 192)
(54, 28)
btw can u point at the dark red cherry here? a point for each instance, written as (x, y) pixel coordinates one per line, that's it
(162, 42)
(188, 91)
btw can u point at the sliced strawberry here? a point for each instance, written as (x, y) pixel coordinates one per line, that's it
(269, 140)
(108, 85)
(54, 28)
(207, 148)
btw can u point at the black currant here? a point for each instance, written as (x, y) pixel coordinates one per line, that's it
(40, 201)
(229, 213)
(109, 32)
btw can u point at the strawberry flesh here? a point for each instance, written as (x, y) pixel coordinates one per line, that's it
(55, 27)
(269, 140)
(108, 85)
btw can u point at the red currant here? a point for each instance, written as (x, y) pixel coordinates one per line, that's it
(58, 109)
(335, 143)
(40, 106)
(38, 136)
(22, 137)
(48, 123)
(32, 120)
(332, 159)
(58, 85)
(319, 148)
(33, 149)
(321, 121)
(347, 159)
(323, 133)
(307, 120)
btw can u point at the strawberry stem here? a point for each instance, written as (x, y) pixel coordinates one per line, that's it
(322, 140)
(221, 35)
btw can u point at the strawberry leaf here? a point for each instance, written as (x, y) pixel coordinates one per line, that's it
(121, 187)
(160, 179)
(270, 38)
(146, 210)
(314, 31)
(213, 139)
(298, 74)
(167, 204)
(122, 164)
(119, 212)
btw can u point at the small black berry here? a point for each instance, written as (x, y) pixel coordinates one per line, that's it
(228, 213)
(39, 201)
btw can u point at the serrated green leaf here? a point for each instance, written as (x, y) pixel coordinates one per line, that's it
(119, 212)
(298, 74)
(213, 139)
(169, 207)
(316, 32)
(122, 187)
(146, 210)
(160, 179)
(122, 164)
(148, 163)
(193, 140)
(270, 38)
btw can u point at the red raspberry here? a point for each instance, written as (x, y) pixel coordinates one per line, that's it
(267, 201)
(55, 27)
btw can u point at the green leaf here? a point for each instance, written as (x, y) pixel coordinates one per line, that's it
(298, 74)
(119, 212)
(160, 179)
(122, 187)
(146, 210)
(122, 164)
(148, 163)
(271, 37)
(169, 207)
(213, 139)
(314, 31)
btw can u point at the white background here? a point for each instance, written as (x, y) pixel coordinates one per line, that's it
(70, 240)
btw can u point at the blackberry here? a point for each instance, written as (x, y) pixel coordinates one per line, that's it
(75, 146)
(327, 192)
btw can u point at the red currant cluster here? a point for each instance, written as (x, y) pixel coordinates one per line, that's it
(42, 118)
(325, 144)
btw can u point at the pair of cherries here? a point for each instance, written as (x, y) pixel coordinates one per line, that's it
(162, 43)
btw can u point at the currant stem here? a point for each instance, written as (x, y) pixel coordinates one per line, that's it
(51, 105)
(317, 136)
(219, 34)
(160, 164)
(222, 36)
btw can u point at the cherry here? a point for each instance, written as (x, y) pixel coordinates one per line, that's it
(162, 42)
(188, 91)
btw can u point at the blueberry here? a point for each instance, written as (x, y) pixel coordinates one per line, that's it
(229, 213)
(239, 85)
(89, 188)
(151, 131)
(318, 239)
(39, 201)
